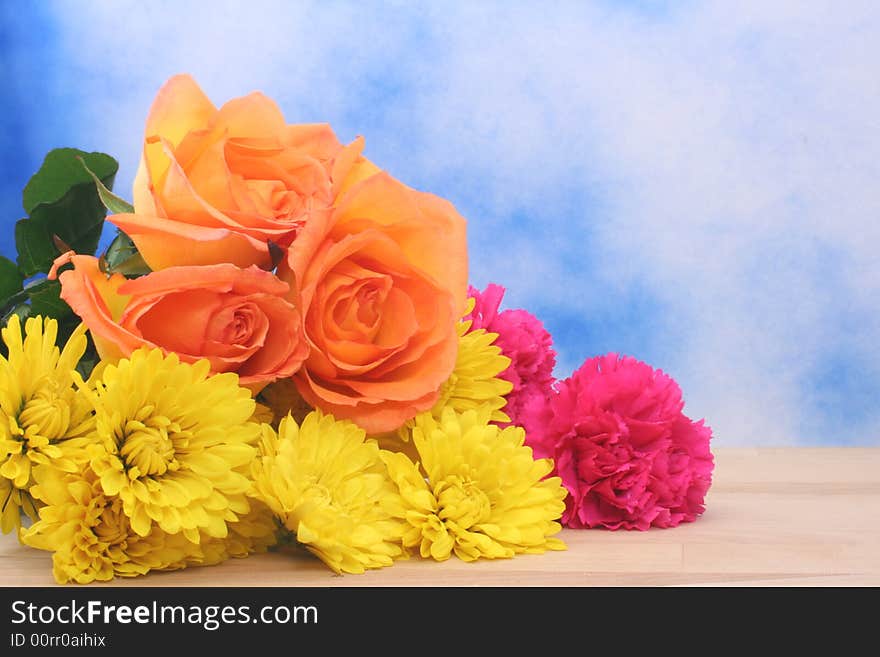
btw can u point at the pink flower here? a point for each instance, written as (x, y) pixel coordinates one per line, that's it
(524, 340)
(625, 451)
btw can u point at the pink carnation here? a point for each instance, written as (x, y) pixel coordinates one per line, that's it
(625, 451)
(522, 338)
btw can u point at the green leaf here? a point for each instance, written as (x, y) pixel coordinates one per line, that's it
(122, 257)
(61, 170)
(10, 280)
(63, 200)
(115, 204)
(77, 219)
(45, 299)
(35, 248)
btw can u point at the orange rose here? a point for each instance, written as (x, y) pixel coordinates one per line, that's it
(381, 294)
(236, 318)
(217, 185)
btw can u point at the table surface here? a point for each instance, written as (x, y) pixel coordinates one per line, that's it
(775, 517)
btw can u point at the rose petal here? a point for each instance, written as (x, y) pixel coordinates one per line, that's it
(96, 299)
(177, 321)
(429, 230)
(180, 106)
(164, 243)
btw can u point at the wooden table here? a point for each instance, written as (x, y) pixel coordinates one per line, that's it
(775, 517)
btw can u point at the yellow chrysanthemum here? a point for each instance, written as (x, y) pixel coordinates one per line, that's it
(474, 382)
(330, 488)
(480, 494)
(15, 501)
(174, 443)
(43, 416)
(89, 534)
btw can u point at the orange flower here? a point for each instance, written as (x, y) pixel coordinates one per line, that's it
(381, 294)
(216, 185)
(237, 318)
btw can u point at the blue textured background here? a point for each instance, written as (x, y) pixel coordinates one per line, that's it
(692, 183)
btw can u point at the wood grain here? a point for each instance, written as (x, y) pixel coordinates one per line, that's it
(775, 517)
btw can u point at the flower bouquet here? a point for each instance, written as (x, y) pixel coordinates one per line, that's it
(280, 345)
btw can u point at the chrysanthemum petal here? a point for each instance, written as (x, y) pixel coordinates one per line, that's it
(330, 488)
(481, 495)
(44, 414)
(186, 443)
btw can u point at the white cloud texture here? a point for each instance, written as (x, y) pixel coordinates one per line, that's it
(720, 158)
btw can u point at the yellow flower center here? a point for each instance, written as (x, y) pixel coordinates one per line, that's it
(148, 443)
(46, 414)
(318, 495)
(462, 501)
(112, 526)
(43, 419)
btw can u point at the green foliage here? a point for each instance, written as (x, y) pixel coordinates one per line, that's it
(122, 257)
(66, 202)
(63, 170)
(63, 204)
(10, 278)
(65, 211)
(36, 250)
(45, 300)
(116, 204)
